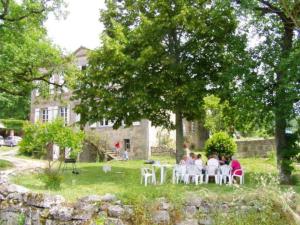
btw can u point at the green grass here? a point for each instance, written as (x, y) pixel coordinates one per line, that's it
(124, 180)
(4, 164)
(7, 148)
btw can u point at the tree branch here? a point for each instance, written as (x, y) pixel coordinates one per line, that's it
(4, 15)
(270, 8)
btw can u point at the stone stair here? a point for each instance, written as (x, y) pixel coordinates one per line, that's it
(110, 155)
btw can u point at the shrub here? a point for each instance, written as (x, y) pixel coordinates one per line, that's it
(52, 179)
(220, 143)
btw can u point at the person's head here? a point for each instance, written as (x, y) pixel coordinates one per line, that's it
(184, 157)
(192, 155)
(233, 157)
(223, 157)
(199, 156)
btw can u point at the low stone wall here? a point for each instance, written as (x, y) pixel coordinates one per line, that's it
(20, 206)
(255, 148)
(162, 150)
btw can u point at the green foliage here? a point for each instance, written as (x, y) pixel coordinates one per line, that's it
(293, 149)
(14, 107)
(38, 136)
(292, 9)
(13, 124)
(270, 94)
(160, 57)
(21, 219)
(220, 143)
(25, 48)
(216, 119)
(5, 164)
(52, 179)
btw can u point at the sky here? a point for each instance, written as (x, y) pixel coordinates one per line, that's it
(80, 28)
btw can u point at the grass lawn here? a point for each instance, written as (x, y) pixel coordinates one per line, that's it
(7, 148)
(124, 180)
(5, 164)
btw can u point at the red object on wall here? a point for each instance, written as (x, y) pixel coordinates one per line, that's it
(117, 145)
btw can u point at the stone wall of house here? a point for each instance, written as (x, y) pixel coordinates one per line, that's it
(255, 148)
(137, 134)
(162, 150)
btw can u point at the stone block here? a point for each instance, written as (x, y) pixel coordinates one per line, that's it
(113, 221)
(61, 213)
(190, 211)
(115, 211)
(188, 222)
(44, 200)
(161, 217)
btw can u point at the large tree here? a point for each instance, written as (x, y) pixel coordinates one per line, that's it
(24, 47)
(160, 58)
(275, 83)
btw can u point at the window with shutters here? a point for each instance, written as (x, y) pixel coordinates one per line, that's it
(105, 123)
(45, 115)
(63, 113)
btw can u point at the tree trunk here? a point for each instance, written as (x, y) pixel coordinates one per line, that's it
(281, 115)
(179, 136)
(281, 146)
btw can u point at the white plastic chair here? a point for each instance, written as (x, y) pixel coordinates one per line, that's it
(225, 173)
(147, 173)
(200, 176)
(212, 171)
(241, 177)
(192, 174)
(179, 172)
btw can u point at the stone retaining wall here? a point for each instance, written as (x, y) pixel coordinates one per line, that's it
(20, 206)
(255, 148)
(162, 150)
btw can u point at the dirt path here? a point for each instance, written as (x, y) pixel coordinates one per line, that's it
(19, 163)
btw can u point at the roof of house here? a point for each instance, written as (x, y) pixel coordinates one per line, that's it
(81, 51)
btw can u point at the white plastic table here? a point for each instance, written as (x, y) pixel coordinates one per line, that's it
(162, 171)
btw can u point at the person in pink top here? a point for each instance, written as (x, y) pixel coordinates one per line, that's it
(235, 165)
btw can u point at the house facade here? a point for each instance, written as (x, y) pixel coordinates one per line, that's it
(137, 139)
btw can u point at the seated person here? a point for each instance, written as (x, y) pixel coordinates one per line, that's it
(235, 165)
(198, 161)
(224, 160)
(199, 164)
(184, 160)
(212, 161)
(191, 159)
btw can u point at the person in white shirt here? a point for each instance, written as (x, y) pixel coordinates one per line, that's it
(212, 161)
(198, 161)
(199, 164)
(191, 159)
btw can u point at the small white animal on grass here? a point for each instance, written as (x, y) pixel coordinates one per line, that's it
(106, 168)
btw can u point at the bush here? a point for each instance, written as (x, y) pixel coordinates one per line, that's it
(51, 179)
(220, 143)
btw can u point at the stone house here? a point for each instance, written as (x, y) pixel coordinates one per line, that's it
(137, 139)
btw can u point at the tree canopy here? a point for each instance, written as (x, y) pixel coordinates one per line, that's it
(158, 58)
(24, 47)
(272, 92)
